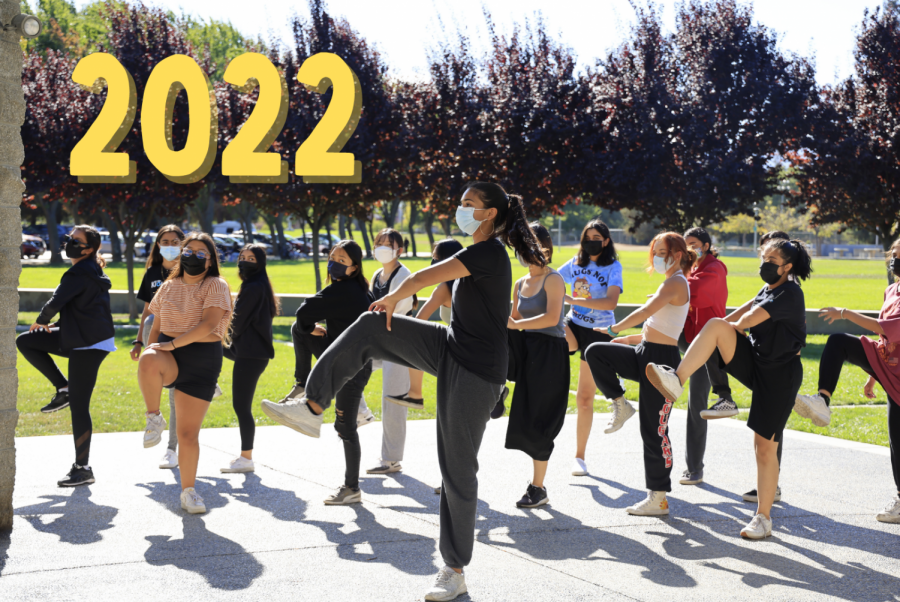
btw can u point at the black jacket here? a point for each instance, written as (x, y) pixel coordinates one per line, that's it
(338, 304)
(82, 300)
(251, 327)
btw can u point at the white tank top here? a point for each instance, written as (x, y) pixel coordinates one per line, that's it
(670, 319)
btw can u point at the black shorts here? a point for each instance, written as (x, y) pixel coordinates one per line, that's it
(199, 365)
(586, 336)
(774, 388)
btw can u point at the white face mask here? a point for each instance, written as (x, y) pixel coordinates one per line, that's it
(170, 253)
(384, 254)
(661, 265)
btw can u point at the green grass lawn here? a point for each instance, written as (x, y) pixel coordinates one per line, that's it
(835, 282)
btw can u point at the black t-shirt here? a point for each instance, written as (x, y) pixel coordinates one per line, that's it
(477, 337)
(781, 337)
(153, 279)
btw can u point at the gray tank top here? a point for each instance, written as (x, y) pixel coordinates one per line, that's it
(535, 305)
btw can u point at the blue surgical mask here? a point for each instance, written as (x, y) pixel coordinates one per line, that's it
(465, 219)
(661, 265)
(699, 253)
(170, 253)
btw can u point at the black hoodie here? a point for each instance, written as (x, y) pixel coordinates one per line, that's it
(82, 300)
(251, 327)
(338, 304)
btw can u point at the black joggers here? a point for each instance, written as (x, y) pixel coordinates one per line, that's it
(244, 378)
(37, 347)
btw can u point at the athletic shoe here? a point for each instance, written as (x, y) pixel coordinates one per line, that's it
(406, 400)
(723, 408)
(385, 468)
(437, 490)
(192, 502)
(364, 417)
(534, 497)
(759, 527)
(751, 496)
(656, 504)
(579, 468)
(297, 392)
(156, 425)
(814, 408)
(691, 478)
(295, 414)
(239, 464)
(59, 401)
(345, 495)
(170, 460)
(217, 392)
(498, 410)
(78, 475)
(665, 380)
(447, 586)
(621, 412)
(891, 512)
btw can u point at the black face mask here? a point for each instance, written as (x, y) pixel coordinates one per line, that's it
(248, 269)
(769, 273)
(193, 265)
(74, 248)
(337, 271)
(895, 266)
(592, 247)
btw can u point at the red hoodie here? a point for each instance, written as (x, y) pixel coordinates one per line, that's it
(709, 293)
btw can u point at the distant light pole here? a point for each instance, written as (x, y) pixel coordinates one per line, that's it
(559, 231)
(755, 222)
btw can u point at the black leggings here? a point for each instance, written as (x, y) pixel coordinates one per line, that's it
(37, 347)
(244, 378)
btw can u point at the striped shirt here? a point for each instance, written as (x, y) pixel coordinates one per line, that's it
(178, 307)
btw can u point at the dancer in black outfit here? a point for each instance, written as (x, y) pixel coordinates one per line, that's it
(84, 333)
(251, 345)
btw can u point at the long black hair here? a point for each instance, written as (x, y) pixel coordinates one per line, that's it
(92, 236)
(705, 239)
(355, 253)
(207, 240)
(259, 253)
(447, 248)
(154, 257)
(510, 225)
(544, 238)
(607, 256)
(793, 252)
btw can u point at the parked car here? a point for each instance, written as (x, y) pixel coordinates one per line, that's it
(257, 238)
(106, 244)
(40, 231)
(32, 246)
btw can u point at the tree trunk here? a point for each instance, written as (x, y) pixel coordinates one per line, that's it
(412, 234)
(349, 224)
(446, 222)
(328, 232)
(314, 224)
(49, 209)
(389, 211)
(208, 210)
(284, 250)
(365, 237)
(342, 231)
(887, 240)
(115, 247)
(371, 228)
(429, 221)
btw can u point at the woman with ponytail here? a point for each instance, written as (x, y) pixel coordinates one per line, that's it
(469, 359)
(663, 316)
(84, 333)
(766, 361)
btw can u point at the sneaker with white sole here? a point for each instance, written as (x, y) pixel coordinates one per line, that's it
(218, 391)
(656, 504)
(691, 478)
(77, 475)
(534, 497)
(891, 512)
(579, 468)
(239, 464)
(192, 502)
(621, 412)
(156, 426)
(665, 380)
(344, 495)
(295, 414)
(364, 417)
(447, 585)
(722, 408)
(437, 489)
(759, 527)
(297, 392)
(416, 403)
(813, 407)
(385, 468)
(169, 460)
(753, 498)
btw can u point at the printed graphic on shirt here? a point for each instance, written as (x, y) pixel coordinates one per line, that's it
(591, 282)
(581, 289)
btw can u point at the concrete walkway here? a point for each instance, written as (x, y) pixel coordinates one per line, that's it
(267, 534)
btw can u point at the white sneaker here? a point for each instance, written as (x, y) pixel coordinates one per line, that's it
(343, 496)
(364, 417)
(192, 502)
(218, 391)
(239, 464)
(385, 468)
(814, 408)
(665, 380)
(297, 392)
(753, 498)
(891, 512)
(621, 411)
(170, 460)
(295, 414)
(156, 425)
(579, 468)
(759, 527)
(447, 586)
(722, 408)
(656, 504)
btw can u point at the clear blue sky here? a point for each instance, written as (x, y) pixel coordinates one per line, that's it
(403, 29)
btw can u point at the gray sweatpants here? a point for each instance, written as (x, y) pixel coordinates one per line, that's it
(173, 434)
(464, 403)
(394, 381)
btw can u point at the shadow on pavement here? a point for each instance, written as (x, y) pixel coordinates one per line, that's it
(79, 520)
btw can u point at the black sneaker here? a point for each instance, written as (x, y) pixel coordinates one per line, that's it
(534, 497)
(59, 401)
(78, 475)
(498, 410)
(407, 401)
